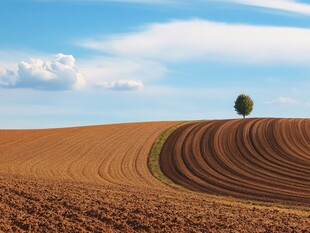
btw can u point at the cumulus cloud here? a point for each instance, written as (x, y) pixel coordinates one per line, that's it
(60, 73)
(201, 39)
(284, 101)
(122, 85)
(283, 5)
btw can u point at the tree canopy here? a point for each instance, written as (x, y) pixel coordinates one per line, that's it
(244, 105)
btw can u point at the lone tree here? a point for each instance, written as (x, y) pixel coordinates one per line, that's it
(244, 105)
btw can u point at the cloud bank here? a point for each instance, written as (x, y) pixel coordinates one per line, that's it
(200, 39)
(60, 73)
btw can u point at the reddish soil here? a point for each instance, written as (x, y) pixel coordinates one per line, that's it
(109, 154)
(96, 179)
(38, 205)
(261, 159)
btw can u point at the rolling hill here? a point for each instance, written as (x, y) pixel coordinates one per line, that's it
(96, 178)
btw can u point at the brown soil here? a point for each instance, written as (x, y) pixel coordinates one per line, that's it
(96, 179)
(109, 154)
(261, 159)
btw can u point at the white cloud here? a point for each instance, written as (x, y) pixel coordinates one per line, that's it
(122, 85)
(9, 58)
(284, 101)
(284, 5)
(200, 39)
(60, 73)
(95, 70)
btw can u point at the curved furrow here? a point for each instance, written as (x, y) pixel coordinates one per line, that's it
(262, 159)
(109, 154)
(125, 171)
(59, 160)
(101, 166)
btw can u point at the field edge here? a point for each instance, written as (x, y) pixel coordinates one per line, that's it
(154, 155)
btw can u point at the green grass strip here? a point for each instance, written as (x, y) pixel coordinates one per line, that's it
(153, 160)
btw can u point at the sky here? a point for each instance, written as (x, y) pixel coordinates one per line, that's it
(70, 63)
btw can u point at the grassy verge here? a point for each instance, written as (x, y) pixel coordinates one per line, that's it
(153, 160)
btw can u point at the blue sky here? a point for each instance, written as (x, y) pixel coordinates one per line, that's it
(75, 62)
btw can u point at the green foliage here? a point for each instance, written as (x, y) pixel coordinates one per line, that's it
(244, 105)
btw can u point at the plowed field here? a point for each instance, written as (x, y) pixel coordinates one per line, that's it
(110, 154)
(262, 159)
(96, 179)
